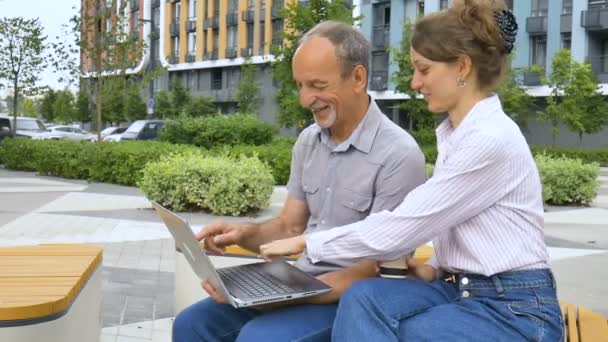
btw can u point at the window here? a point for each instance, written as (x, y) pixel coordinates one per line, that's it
(216, 8)
(176, 10)
(232, 36)
(566, 6)
(538, 50)
(249, 35)
(192, 9)
(216, 40)
(379, 61)
(192, 43)
(540, 8)
(443, 4)
(216, 79)
(175, 46)
(262, 38)
(233, 5)
(566, 40)
(382, 14)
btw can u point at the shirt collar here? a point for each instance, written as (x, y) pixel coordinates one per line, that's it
(481, 108)
(362, 138)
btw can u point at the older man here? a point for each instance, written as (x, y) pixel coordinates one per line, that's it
(353, 161)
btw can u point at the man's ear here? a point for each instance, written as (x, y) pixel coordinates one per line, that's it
(359, 76)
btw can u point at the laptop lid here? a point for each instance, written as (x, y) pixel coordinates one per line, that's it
(186, 241)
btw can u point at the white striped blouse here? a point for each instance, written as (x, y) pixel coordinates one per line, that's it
(482, 208)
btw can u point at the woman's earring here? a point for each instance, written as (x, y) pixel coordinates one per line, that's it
(460, 83)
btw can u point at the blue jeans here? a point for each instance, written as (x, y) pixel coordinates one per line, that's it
(210, 321)
(511, 306)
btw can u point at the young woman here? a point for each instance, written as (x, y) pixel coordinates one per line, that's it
(489, 279)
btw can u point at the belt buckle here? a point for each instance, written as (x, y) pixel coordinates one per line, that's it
(451, 278)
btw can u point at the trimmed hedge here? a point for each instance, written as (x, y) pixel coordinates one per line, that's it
(597, 155)
(207, 132)
(567, 181)
(221, 185)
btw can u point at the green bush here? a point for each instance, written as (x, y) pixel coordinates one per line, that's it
(598, 155)
(425, 137)
(567, 181)
(430, 153)
(221, 185)
(207, 132)
(17, 154)
(276, 155)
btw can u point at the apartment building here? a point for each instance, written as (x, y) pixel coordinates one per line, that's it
(203, 43)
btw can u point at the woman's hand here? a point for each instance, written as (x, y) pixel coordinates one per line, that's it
(279, 248)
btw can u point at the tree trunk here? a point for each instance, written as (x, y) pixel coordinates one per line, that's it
(15, 103)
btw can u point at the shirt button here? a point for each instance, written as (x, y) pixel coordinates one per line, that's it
(465, 294)
(464, 281)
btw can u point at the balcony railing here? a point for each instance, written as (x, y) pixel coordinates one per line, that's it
(275, 10)
(212, 23)
(380, 40)
(231, 52)
(174, 59)
(536, 24)
(599, 66)
(190, 57)
(565, 23)
(595, 19)
(155, 3)
(247, 52)
(532, 78)
(211, 55)
(191, 25)
(232, 19)
(174, 28)
(247, 16)
(379, 81)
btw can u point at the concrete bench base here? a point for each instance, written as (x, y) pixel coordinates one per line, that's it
(80, 323)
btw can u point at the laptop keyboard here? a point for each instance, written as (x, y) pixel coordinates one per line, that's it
(253, 283)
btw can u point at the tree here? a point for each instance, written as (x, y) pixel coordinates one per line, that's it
(199, 106)
(299, 19)
(584, 105)
(64, 106)
(83, 106)
(180, 96)
(21, 57)
(561, 76)
(416, 108)
(516, 102)
(163, 105)
(109, 45)
(27, 107)
(247, 93)
(135, 107)
(46, 105)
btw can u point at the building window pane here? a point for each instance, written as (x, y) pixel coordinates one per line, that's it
(539, 50)
(216, 79)
(566, 40)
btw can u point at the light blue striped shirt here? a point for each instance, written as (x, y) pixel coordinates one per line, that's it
(482, 208)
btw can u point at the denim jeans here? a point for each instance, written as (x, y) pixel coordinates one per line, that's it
(511, 306)
(210, 321)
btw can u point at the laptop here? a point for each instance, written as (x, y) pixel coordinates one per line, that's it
(244, 285)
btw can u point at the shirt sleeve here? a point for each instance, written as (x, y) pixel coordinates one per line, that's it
(399, 177)
(471, 179)
(294, 185)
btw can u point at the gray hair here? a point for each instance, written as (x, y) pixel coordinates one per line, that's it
(352, 48)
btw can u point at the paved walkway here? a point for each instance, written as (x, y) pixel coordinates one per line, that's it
(138, 261)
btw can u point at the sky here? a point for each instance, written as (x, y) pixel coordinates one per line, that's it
(52, 14)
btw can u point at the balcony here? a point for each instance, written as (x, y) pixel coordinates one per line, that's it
(174, 59)
(247, 52)
(231, 52)
(275, 10)
(211, 23)
(379, 81)
(595, 19)
(565, 23)
(247, 16)
(174, 28)
(232, 19)
(155, 3)
(191, 25)
(532, 78)
(190, 57)
(263, 14)
(134, 5)
(599, 66)
(536, 24)
(380, 38)
(211, 55)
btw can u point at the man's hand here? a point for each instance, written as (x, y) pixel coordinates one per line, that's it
(220, 234)
(279, 248)
(343, 279)
(422, 271)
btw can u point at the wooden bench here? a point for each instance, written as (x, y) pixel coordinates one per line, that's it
(584, 325)
(50, 293)
(187, 285)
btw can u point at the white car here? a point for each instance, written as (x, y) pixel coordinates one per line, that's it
(112, 133)
(65, 133)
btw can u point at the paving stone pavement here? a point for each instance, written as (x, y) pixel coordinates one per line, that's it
(138, 264)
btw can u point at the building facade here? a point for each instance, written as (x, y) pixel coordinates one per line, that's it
(203, 43)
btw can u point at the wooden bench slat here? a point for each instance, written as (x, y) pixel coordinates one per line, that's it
(593, 326)
(572, 324)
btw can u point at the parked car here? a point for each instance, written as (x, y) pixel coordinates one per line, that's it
(143, 130)
(67, 133)
(26, 127)
(111, 133)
